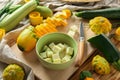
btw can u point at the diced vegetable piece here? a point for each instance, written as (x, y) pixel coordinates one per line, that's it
(57, 61)
(71, 33)
(61, 46)
(56, 58)
(43, 55)
(62, 54)
(56, 49)
(51, 45)
(66, 58)
(59, 53)
(48, 49)
(48, 60)
(66, 45)
(69, 51)
(49, 53)
(45, 48)
(74, 28)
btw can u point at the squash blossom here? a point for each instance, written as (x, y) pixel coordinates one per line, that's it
(100, 25)
(2, 33)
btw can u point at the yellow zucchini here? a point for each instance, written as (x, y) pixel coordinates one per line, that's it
(35, 18)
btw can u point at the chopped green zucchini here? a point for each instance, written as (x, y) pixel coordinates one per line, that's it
(57, 53)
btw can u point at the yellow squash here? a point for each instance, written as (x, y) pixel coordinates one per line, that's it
(44, 28)
(13, 72)
(100, 65)
(100, 25)
(65, 14)
(35, 18)
(117, 34)
(27, 39)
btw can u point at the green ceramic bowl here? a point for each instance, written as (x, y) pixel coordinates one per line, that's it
(56, 38)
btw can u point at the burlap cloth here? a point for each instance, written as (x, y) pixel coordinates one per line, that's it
(6, 53)
(57, 5)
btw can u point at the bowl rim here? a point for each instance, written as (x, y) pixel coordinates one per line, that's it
(38, 54)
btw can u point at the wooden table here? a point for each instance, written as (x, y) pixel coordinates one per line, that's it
(114, 74)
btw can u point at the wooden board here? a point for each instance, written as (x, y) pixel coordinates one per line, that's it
(114, 74)
(41, 72)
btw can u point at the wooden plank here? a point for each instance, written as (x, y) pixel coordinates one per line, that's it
(114, 74)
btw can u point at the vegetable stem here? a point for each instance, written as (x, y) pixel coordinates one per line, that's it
(5, 8)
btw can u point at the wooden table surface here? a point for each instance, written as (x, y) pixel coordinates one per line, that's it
(114, 74)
